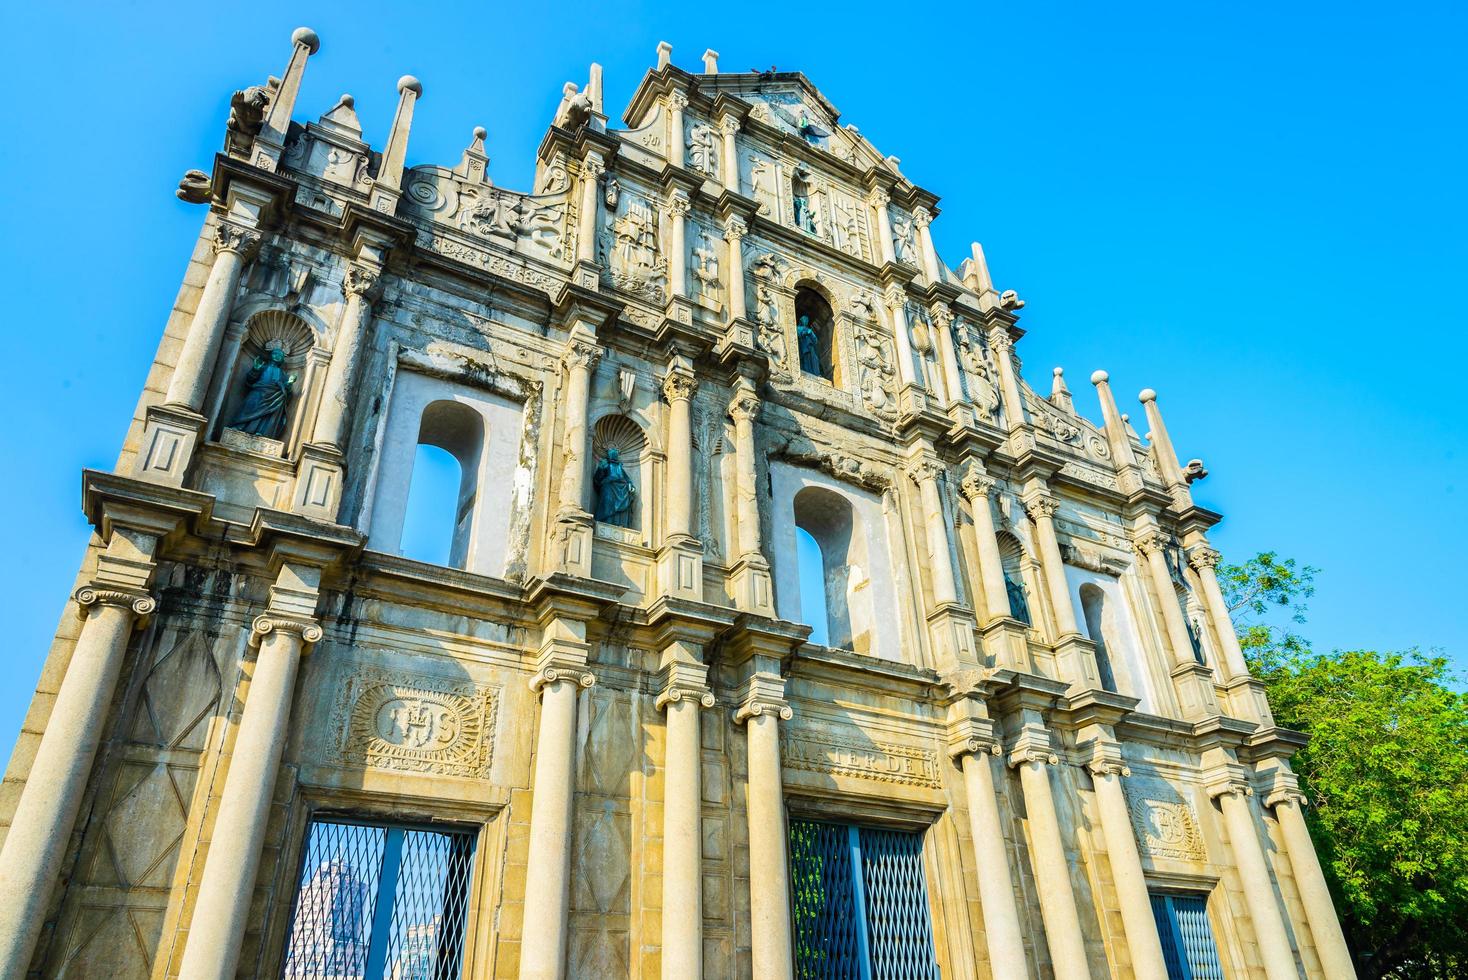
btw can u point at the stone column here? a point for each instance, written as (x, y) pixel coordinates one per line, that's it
(189, 383)
(977, 487)
(761, 710)
(1194, 681)
(361, 286)
(592, 169)
(729, 127)
(734, 231)
(1204, 559)
(1001, 345)
(896, 299)
(1325, 925)
(40, 830)
(750, 574)
(1126, 870)
(923, 218)
(991, 857)
(222, 908)
(679, 384)
(1269, 928)
(947, 353)
(582, 353)
(677, 102)
(1042, 507)
(548, 860)
(924, 473)
(1052, 868)
(677, 244)
(878, 200)
(684, 692)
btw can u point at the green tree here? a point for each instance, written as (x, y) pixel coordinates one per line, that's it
(1386, 772)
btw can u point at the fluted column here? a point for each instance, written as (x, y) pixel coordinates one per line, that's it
(40, 829)
(677, 102)
(977, 487)
(1001, 345)
(1042, 507)
(879, 200)
(729, 127)
(923, 218)
(1126, 871)
(991, 858)
(592, 169)
(734, 231)
(580, 358)
(189, 383)
(1052, 869)
(761, 710)
(1204, 560)
(924, 473)
(678, 208)
(228, 883)
(548, 858)
(683, 694)
(361, 286)
(1325, 925)
(679, 384)
(1243, 835)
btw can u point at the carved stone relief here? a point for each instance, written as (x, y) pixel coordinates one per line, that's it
(861, 758)
(631, 252)
(1165, 824)
(415, 723)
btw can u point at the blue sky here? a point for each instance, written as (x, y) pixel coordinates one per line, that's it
(1256, 209)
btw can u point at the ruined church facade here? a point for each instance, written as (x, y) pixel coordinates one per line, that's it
(779, 627)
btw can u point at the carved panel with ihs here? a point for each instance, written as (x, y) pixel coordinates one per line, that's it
(395, 719)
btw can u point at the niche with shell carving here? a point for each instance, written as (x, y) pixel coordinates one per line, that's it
(625, 436)
(266, 332)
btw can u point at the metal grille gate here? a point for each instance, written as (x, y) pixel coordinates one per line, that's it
(1187, 939)
(380, 903)
(859, 904)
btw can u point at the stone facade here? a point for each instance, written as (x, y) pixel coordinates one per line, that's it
(1031, 665)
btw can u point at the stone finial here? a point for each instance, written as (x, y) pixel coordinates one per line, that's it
(269, 141)
(665, 54)
(1059, 393)
(474, 165)
(1167, 461)
(711, 62)
(342, 118)
(307, 39)
(409, 83)
(593, 87)
(388, 187)
(1116, 432)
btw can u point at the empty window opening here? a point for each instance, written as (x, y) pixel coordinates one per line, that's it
(813, 610)
(433, 494)
(380, 901)
(1101, 627)
(457, 431)
(814, 328)
(826, 518)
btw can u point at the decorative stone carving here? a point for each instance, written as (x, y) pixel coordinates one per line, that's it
(877, 371)
(635, 263)
(1165, 825)
(90, 596)
(1092, 560)
(230, 237)
(415, 723)
(679, 386)
(976, 485)
(703, 149)
(1150, 541)
(362, 281)
(886, 762)
(706, 273)
(1040, 506)
(1204, 557)
(903, 245)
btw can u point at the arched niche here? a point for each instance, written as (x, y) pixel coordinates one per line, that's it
(1012, 561)
(264, 332)
(620, 433)
(1101, 627)
(814, 307)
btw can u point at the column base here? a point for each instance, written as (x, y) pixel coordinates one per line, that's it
(171, 434)
(575, 530)
(680, 568)
(962, 415)
(1007, 643)
(752, 586)
(1075, 657)
(951, 631)
(587, 275)
(319, 477)
(1245, 699)
(1195, 692)
(912, 400)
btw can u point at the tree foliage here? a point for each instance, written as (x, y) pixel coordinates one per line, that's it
(1386, 772)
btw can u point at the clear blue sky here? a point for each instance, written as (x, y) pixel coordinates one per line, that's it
(1257, 209)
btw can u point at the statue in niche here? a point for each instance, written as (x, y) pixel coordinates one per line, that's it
(615, 492)
(810, 347)
(703, 149)
(262, 413)
(903, 246)
(706, 272)
(1019, 606)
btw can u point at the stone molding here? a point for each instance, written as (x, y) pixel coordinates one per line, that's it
(762, 694)
(1023, 756)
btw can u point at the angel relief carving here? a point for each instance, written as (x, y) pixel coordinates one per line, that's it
(878, 376)
(631, 250)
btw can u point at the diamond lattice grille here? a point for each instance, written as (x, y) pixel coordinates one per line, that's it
(1187, 938)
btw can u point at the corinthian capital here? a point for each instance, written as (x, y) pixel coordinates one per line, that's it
(1151, 541)
(942, 316)
(362, 282)
(678, 205)
(879, 198)
(582, 354)
(999, 340)
(976, 484)
(677, 100)
(679, 386)
(1203, 557)
(230, 237)
(735, 228)
(1041, 506)
(924, 469)
(729, 125)
(592, 168)
(745, 406)
(922, 217)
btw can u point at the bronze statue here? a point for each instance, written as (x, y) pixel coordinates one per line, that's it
(262, 412)
(614, 491)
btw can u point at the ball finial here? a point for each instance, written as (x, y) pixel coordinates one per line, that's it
(1058, 372)
(409, 83)
(1099, 377)
(1147, 395)
(306, 36)
(480, 132)
(347, 100)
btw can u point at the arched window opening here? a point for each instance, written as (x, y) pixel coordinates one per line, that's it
(1100, 627)
(815, 326)
(1010, 556)
(617, 450)
(826, 517)
(813, 611)
(458, 431)
(433, 493)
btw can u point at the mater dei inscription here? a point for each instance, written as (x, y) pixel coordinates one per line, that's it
(881, 761)
(417, 723)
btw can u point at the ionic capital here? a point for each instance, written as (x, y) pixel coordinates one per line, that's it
(761, 695)
(1286, 796)
(1026, 755)
(1203, 557)
(1108, 767)
(90, 597)
(230, 237)
(675, 692)
(308, 630)
(758, 707)
(1229, 787)
(973, 743)
(679, 386)
(362, 282)
(553, 673)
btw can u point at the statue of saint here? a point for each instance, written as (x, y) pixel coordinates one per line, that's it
(702, 149)
(810, 347)
(902, 242)
(614, 490)
(262, 413)
(1019, 607)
